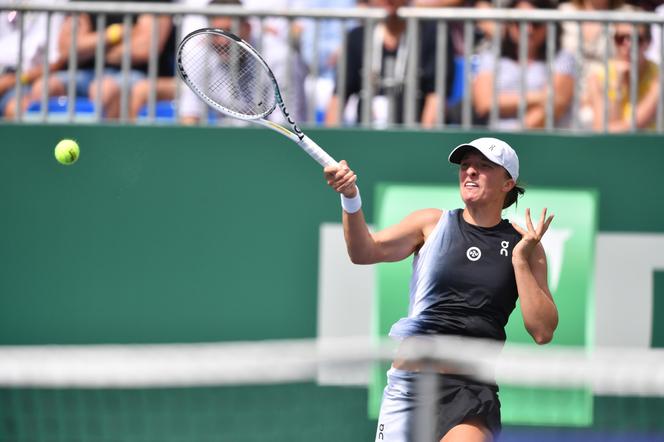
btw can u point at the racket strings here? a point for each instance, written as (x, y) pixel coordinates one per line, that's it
(228, 75)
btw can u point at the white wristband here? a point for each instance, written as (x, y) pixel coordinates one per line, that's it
(351, 205)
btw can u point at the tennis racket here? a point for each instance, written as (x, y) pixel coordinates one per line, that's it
(229, 75)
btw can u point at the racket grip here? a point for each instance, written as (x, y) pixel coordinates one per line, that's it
(316, 152)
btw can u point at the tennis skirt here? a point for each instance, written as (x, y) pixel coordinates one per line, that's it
(456, 399)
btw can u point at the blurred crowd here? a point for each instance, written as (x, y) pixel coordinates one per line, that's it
(321, 67)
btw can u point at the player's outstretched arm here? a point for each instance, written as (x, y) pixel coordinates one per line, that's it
(391, 244)
(540, 315)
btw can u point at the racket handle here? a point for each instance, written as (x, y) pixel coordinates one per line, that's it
(316, 152)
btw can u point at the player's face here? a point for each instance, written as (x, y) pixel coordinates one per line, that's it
(482, 181)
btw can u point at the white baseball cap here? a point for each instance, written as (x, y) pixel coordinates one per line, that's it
(497, 151)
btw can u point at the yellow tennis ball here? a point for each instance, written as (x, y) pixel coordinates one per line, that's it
(67, 152)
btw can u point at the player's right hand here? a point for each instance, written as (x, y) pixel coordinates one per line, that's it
(341, 178)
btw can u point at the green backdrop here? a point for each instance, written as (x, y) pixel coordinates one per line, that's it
(163, 234)
(167, 234)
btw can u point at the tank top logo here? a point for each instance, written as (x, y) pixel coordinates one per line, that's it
(503, 250)
(473, 253)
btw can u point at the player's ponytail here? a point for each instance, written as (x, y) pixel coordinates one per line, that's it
(512, 195)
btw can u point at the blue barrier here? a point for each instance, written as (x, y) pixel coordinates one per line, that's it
(164, 111)
(60, 105)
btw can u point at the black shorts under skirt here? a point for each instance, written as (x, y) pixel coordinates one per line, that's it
(457, 398)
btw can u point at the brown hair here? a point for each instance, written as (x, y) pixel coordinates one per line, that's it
(513, 194)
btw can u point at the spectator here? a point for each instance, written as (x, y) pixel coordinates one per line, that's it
(388, 71)
(654, 52)
(537, 82)
(485, 29)
(34, 44)
(320, 88)
(283, 56)
(164, 86)
(272, 39)
(140, 93)
(112, 79)
(271, 33)
(592, 54)
(456, 28)
(620, 107)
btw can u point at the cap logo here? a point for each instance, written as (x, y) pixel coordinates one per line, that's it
(492, 147)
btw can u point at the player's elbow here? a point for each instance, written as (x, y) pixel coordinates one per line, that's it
(361, 253)
(362, 256)
(541, 334)
(356, 259)
(360, 259)
(542, 338)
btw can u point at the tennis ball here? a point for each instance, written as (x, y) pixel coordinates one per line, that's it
(67, 152)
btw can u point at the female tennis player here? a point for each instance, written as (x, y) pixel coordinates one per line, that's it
(469, 268)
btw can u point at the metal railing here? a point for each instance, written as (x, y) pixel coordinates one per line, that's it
(369, 18)
(501, 16)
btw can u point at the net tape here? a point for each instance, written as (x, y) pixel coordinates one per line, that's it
(624, 371)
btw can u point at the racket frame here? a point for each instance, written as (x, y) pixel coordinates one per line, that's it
(296, 135)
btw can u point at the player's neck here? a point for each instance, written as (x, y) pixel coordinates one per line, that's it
(483, 216)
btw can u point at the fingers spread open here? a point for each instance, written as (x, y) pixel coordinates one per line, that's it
(547, 223)
(529, 222)
(518, 228)
(542, 216)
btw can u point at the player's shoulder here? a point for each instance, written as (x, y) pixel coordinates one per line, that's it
(426, 217)
(429, 212)
(423, 221)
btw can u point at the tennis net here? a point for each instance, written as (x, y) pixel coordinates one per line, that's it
(250, 391)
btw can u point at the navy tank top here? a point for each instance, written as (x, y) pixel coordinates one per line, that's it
(463, 281)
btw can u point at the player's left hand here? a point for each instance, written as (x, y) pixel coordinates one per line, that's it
(531, 236)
